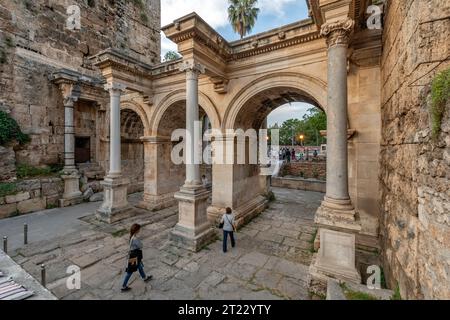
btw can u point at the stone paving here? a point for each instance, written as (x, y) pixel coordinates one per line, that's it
(270, 260)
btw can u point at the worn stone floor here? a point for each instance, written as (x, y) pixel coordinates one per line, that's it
(270, 260)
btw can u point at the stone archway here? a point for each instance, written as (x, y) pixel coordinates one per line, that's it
(180, 96)
(132, 129)
(242, 187)
(163, 178)
(282, 87)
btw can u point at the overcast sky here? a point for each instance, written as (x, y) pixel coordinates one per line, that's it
(273, 14)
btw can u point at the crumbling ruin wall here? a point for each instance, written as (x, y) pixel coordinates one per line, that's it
(35, 41)
(415, 169)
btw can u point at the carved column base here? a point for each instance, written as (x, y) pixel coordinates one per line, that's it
(336, 258)
(72, 194)
(337, 215)
(115, 205)
(193, 230)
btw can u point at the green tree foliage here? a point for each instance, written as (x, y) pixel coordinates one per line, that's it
(10, 130)
(242, 15)
(310, 126)
(171, 55)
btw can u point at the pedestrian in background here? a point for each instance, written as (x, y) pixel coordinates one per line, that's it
(229, 227)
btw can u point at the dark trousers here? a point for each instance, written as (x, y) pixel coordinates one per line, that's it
(129, 274)
(225, 239)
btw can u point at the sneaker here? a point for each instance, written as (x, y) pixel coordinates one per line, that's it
(125, 289)
(148, 278)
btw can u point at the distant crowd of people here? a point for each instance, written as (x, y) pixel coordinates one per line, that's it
(289, 154)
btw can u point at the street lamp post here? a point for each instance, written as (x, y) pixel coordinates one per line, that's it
(301, 140)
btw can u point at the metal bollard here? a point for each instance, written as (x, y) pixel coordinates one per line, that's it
(25, 233)
(43, 280)
(5, 244)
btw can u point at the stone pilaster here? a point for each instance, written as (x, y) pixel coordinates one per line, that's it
(115, 204)
(193, 230)
(156, 196)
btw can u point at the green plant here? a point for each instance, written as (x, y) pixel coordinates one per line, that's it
(10, 130)
(317, 295)
(2, 56)
(51, 206)
(440, 93)
(26, 171)
(396, 295)
(356, 295)
(119, 233)
(139, 4)
(8, 188)
(270, 196)
(315, 173)
(144, 18)
(14, 214)
(171, 55)
(9, 42)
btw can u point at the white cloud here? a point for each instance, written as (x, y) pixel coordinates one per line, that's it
(295, 110)
(214, 12)
(274, 7)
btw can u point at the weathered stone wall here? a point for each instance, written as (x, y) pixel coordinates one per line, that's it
(32, 195)
(34, 42)
(414, 170)
(305, 169)
(7, 164)
(299, 184)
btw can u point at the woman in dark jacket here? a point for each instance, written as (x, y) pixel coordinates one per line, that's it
(134, 258)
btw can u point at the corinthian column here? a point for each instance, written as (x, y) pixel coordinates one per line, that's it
(337, 209)
(72, 194)
(336, 215)
(115, 203)
(193, 133)
(193, 230)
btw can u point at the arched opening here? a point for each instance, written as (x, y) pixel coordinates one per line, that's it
(132, 149)
(248, 187)
(163, 175)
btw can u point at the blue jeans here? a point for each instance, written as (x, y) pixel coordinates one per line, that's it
(225, 239)
(129, 274)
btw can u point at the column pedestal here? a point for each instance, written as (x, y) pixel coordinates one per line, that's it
(115, 205)
(193, 230)
(336, 257)
(72, 194)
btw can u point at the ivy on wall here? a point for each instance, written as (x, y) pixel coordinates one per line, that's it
(440, 94)
(10, 130)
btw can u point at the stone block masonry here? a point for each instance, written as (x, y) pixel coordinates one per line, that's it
(305, 169)
(35, 42)
(30, 196)
(414, 169)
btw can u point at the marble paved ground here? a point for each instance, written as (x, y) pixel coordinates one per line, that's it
(270, 260)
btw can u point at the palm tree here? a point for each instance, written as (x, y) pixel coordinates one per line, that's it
(242, 15)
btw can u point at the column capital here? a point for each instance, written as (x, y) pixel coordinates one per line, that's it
(192, 66)
(69, 101)
(338, 32)
(115, 87)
